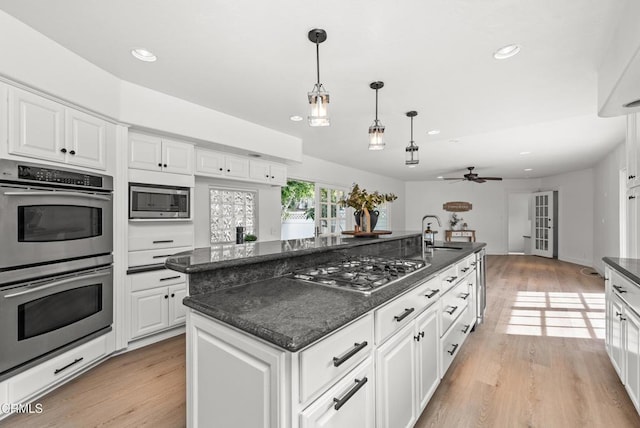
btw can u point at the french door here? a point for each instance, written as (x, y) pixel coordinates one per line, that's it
(543, 224)
(331, 218)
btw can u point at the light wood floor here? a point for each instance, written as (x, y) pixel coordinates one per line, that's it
(537, 361)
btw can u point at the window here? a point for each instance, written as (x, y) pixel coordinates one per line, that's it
(383, 217)
(231, 208)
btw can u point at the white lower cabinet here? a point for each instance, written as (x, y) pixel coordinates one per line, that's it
(427, 356)
(632, 357)
(349, 403)
(616, 352)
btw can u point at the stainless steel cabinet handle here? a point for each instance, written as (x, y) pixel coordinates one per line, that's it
(357, 347)
(619, 289)
(56, 193)
(453, 309)
(465, 295)
(342, 401)
(451, 279)
(464, 269)
(433, 293)
(55, 284)
(76, 361)
(466, 328)
(164, 241)
(404, 314)
(453, 350)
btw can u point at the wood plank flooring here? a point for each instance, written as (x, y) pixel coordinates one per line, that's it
(537, 361)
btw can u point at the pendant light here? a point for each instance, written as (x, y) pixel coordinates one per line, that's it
(318, 97)
(411, 151)
(376, 131)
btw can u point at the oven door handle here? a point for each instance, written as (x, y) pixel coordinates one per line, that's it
(59, 193)
(56, 284)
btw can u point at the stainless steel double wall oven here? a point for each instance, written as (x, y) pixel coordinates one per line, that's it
(56, 275)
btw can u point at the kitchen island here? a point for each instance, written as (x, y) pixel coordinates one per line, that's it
(265, 349)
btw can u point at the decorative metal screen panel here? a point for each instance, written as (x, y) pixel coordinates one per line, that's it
(231, 208)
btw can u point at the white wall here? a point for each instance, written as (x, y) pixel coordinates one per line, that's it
(519, 224)
(488, 217)
(606, 226)
(321, 171)
(575, 212)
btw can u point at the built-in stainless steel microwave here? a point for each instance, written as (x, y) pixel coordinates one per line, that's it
(161, 202)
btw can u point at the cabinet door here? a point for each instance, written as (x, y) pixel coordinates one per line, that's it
(278, 174)
(177, 157)
(259, 171)
(396, 380)
(177, 311)
(355, 400)
(209, 163)
(427, 355)
(149, 311)
(145, 152)
(632, 356)
(617, 337)
(632, 152)
(633, 230)
(85, 137)
(607, 309)
(236, 167)
(36, 126)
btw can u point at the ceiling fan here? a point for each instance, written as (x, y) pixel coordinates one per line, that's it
(472, 176)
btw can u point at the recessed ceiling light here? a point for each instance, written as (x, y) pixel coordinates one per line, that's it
(528, 169)
(507, 51)
(525, 153)
(295, 118)
(454, 141)
(434, 132)
(143, 55)
(440, 177)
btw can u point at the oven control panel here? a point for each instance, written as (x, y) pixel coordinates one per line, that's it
(22, 172)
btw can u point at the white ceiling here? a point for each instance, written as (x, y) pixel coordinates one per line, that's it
(252, 59)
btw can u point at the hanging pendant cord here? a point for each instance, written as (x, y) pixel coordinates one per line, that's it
(318, 60)
(412, 130)
(376, 105)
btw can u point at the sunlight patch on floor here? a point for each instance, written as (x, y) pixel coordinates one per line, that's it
(556, 314)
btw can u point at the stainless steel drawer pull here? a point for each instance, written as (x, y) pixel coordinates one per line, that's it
(164, 241)
(337, 361)
(451, 279)
(453, 309)
(466, 328)
(464, 269)
(76, 361)
(433, 293)
(161, 257)
(453, 350)
(465, 295)
(342, 401)
(170, 277)
(404, 314)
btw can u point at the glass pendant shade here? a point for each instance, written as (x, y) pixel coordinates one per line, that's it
(411, 155)
(376, 136)
(318, 106)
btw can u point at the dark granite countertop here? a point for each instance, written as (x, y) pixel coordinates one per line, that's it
(226, 255)
(293, 314)
(628, 267)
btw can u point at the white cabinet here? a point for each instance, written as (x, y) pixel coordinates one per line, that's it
(159, 154)
(617, 336)
(408, 371)
(632, 150)
(232, 380)
(268, 172)
(44, 129)
(632, 356)
(633, 219)
(216, 164)
(350, 403)
(157, 309)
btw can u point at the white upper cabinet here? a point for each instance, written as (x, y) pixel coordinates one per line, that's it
(267, 172)
(44, 129)
(217, 164)
(235, 166)
(632, 151)
(157, 154)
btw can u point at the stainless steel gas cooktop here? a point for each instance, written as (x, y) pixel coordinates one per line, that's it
(362, 274)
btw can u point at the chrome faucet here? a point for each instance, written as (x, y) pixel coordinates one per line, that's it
(422, 232)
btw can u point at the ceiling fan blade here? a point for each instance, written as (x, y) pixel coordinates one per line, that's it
(452, 178)
(490, 178)
(478, 180)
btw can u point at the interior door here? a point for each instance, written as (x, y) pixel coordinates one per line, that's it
(543, 224)
(331, 218)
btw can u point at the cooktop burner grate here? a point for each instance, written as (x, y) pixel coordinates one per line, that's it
(363, 274)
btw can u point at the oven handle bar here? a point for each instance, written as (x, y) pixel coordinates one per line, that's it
(56, 283)
(57, 193)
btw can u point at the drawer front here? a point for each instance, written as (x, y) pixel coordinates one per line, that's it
(451, 343)
(626, 289)
(51, 372)
(466, 265)
(448, 278)
(453, 304)
(327, 360)
(427, 293)
(154, 279)
(396, 314)
(152, 257)
(144, 236)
